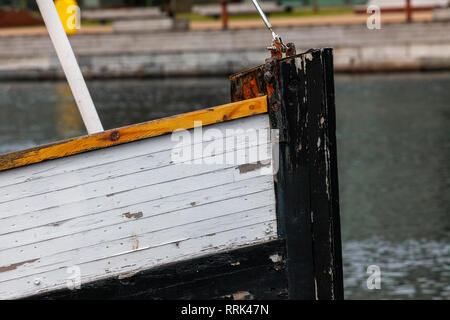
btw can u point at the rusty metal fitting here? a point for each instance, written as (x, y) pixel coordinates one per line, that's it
(269, 64)
(277, 50)
(290, 49)
(276, 105)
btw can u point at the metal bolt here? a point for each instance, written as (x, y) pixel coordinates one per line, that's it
(276, 106)
(37, 281)
(268, 76)
(270, 63)
(290, 49)
(115, 135)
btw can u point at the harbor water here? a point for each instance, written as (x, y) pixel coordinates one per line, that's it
(393, 136)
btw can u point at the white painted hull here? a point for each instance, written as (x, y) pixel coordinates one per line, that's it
(126, 208)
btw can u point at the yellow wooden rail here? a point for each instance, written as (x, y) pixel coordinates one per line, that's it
(132, 133)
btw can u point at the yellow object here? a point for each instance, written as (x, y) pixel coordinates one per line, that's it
(69, 13)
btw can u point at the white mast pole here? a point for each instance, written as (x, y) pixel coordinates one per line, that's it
(70, 66)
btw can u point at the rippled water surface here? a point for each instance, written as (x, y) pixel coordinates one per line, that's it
(394, 161)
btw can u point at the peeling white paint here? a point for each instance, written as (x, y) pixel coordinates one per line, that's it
(115, 211)
(298, 63)
(276, 258)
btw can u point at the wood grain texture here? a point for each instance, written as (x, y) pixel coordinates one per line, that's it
(119, 210)
(133, 133)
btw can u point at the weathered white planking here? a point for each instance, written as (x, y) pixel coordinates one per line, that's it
(103, 157)
(51, 249)
(43, 226)
(106, 187)
(130, 207)
(130, 262)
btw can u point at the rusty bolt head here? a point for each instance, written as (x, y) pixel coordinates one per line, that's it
(268, 76)
(290, 49)
(270, 63)
(276, 106)
(115, 135)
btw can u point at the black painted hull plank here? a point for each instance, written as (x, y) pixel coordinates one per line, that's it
(253, 272)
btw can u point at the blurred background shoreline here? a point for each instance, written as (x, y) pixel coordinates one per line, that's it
(158, 41)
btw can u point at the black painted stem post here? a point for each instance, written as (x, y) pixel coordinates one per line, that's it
(300, 93)
(307, 185)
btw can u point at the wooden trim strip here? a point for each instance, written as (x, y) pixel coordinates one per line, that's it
(132, 133)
